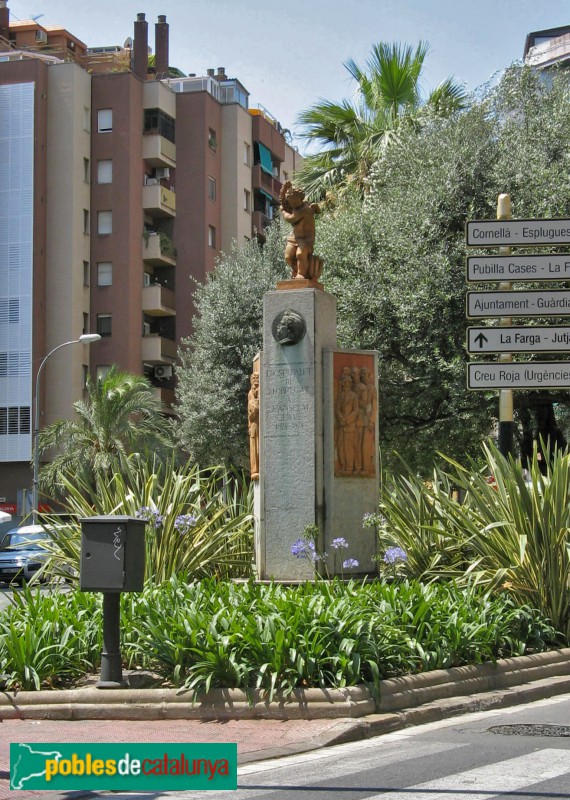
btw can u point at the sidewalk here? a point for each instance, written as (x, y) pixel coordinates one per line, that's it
(310, 719)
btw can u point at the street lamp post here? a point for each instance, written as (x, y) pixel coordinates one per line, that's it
(86, 338)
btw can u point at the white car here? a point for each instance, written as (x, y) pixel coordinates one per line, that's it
(22, 552)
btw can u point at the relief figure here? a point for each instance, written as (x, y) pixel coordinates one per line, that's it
(253, 424)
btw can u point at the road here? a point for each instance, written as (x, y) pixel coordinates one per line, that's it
(459, 759)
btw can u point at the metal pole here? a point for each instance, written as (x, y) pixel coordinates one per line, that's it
(505, 395)
(111, 669)
(87, 338)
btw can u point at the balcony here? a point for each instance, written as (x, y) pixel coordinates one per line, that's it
(265, 130)
(158, 250)
(260, 222)
(158, 151)
(159, 201)
(158, 301)
(261, 180)
(157, 350)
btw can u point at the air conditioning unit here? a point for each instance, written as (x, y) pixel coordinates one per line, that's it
(146, 279)
(162, 172)
(163, 371)
(146, 328)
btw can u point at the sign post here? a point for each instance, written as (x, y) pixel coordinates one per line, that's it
(505, 375)
(505, 395)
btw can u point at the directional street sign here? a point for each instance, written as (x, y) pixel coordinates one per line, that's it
(481, 305)
(508, 339)
(529, 375)
(489, 269)
(517, 232)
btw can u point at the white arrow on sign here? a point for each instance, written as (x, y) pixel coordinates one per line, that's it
(490, 269)
(517, 232)
(527, 375)
(508, 339)
(555, 303)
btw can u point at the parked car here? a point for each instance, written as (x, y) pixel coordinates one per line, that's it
(22, 553)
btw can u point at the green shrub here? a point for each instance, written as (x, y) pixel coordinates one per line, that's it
(208, 633)
(510, 531)
(49, 639)
(326, 634)
(200, 522)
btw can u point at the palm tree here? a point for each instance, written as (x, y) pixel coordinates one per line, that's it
(355, 134)
(119, 415)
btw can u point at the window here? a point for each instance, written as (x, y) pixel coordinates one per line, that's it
(86, 175)
(247, 154)
(86, 273)
(85, 370)
(246, 201)
(211, 236)
(86, 221)
(211, 188)
(156, 121)
(105, 120)
(14, 420)
(9, 310)
(85, 322)
(104, 324)
(105, 171)
(104, 222)
(13, 364)
(212, 141)
(104, 273)
(86, 119)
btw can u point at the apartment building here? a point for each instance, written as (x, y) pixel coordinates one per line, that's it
(121, 180)
(548, 48)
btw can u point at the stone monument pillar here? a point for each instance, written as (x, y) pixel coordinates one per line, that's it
(317, 457)
(298, 326)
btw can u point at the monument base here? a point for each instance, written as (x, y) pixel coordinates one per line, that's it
(300, 283)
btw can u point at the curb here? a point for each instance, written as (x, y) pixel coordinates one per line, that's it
(404, 701)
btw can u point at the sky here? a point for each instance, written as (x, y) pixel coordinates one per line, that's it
(290, 55)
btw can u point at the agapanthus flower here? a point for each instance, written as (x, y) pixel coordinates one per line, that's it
(339, 542)
(151, 515)
(184, 522)
(394, 554)
(350, 563)
(303, 548)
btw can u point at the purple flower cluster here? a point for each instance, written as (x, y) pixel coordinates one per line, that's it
(350, 563)
(394, 554)
(151, 515)
(184, 522)
(339, 542)
(304, 548)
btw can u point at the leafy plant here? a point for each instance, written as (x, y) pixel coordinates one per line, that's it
(198, 521)
(511, 533)
(326, 634)
(207, 633)
(49, 639)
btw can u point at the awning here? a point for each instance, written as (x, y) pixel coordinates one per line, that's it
(264, 158)
(265, 194)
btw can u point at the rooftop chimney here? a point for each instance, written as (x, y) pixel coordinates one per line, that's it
(210, 73)
(161, 47)
(4, 21)
(140, 48)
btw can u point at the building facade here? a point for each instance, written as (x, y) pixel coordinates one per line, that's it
(121, 181)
